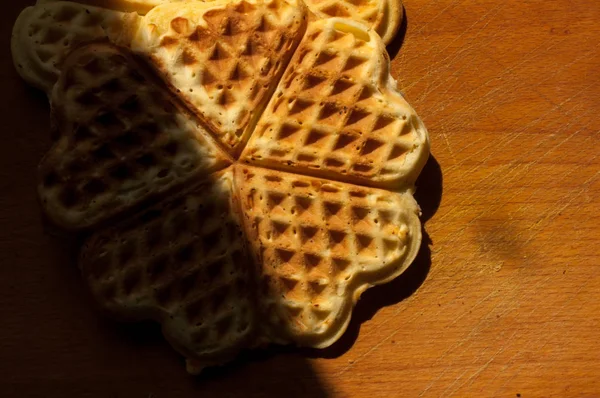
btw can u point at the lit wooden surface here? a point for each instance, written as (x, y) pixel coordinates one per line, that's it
(507, 303)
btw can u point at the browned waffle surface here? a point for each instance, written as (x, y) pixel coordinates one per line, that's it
(320, 244)
(337, 113)
(223, 59)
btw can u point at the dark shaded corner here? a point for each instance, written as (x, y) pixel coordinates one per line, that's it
(261, 373)
(272, 372)
(394, 46)
(429, 196)
(39, 99)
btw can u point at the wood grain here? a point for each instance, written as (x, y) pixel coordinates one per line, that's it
(503, 301)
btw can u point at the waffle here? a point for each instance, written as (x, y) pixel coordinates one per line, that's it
(147, 130)
(44, 34)
(337, 113)
(321, 244)
(224, 59)
(121, 140)
(181, 263)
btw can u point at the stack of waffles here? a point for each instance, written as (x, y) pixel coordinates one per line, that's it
(242, 170)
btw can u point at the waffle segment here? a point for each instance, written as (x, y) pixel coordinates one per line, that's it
(320, 244)
(183, 264)
(121, 140)
(45, 34)
(337, 113)
(223, 59)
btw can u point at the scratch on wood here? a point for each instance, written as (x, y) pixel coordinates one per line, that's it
(442, 12)
(467, 338)
(547, 340)
(500, 170)
(526, 127)
(432, 69)
(462, 230)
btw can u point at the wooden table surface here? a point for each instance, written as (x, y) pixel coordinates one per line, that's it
(503, 301)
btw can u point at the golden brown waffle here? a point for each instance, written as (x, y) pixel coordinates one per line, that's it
(320, 244)
(184, 264)
(43, 35)
(224, 60)
(232, 256)
(337, 113)
(122, 140)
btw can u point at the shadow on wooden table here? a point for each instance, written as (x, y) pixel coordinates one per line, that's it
(272, 372)
(394, 47)
(429, 196)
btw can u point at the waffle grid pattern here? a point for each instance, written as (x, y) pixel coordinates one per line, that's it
(184, 262)
(382, 15)
(317, 241)
(46, 33)
(121, 139)
(226, 66)
(329, 118)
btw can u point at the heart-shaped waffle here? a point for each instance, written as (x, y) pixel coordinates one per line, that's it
(184, 264)
(224, 60)
(230, 252)
(122, 139)
(320, 244)
(337, 113)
